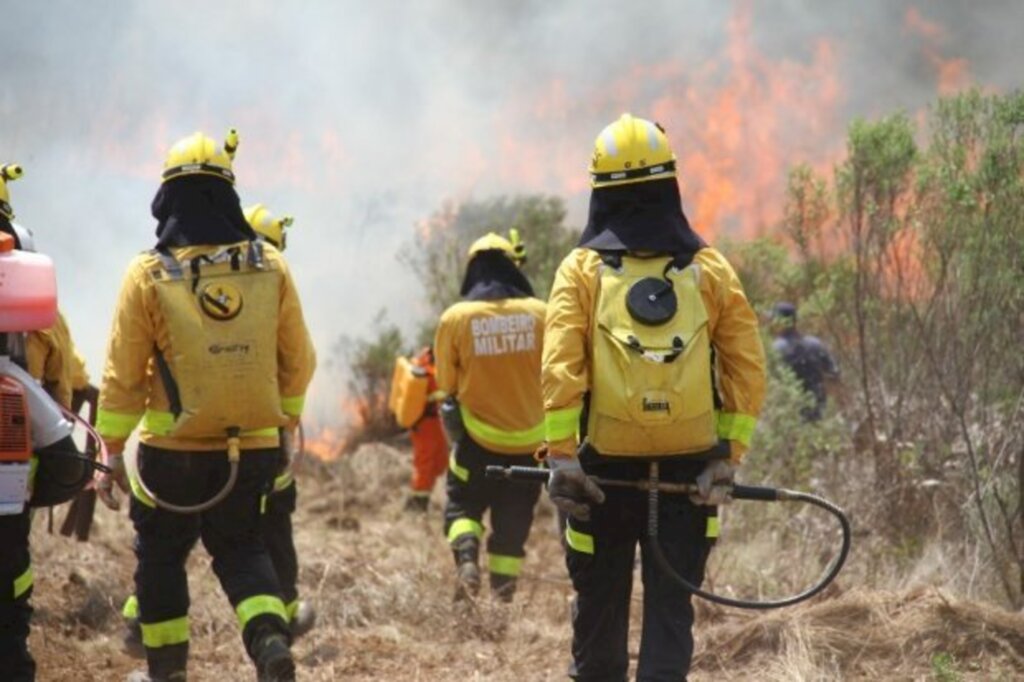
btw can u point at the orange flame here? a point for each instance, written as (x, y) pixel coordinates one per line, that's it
(952, 74)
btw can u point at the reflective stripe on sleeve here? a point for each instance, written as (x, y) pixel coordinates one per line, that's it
(259, 605)
(116, 424)
(562, 424)
(23, 583)
(713, 527)
(491, 434)
(505, 565)
(735, 426)
(464, 526)
(167, 633)
(581, 542)
(293, 406)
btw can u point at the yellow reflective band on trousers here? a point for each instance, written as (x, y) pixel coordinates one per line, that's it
(492, 434)
(140, 494)
(167, 633)
(116, 424)
(291, 608)
(562, 424)
(161, 423)
(713, 527)
(131, 607)
(23, 583)
(461, 473)
(505, 565)
(261, 604)
(735, 426)
(293, 406)
(462, 527)
(283, 481)
(581, 542)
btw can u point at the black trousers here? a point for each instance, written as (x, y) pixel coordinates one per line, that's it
(511, 503)
(16, 664)
(230, 531)
(277, 536)
(600, 555)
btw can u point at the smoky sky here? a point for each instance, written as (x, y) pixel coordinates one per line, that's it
(362, 118)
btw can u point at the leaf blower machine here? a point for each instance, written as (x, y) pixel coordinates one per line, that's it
(654, 487)
(40, 464)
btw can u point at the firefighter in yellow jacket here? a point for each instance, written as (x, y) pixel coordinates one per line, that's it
(487, 352)
(210, 352)
(277, 515)
(651, 353)
(279, 505)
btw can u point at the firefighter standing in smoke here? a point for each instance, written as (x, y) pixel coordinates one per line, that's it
(488, 360)
(209, 350)
(651, 352)
(49, 356)
(280, 503)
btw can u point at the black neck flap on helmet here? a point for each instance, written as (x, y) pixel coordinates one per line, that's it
(199, 210)
(491, 275)
(642, 216)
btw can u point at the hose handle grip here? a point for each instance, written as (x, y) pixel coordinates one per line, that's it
(754, 492)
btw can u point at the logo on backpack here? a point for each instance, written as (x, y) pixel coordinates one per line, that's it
(656, 406)
(221, 301)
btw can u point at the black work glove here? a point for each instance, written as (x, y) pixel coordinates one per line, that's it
(570, 489)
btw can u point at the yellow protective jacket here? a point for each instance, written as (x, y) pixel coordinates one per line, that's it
(733, 330)
(52, 360)
(488, 357)
(133, 390)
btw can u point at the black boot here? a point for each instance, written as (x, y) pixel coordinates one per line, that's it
(466, 551)
(273, 659)
(166, 664)
(503, 587)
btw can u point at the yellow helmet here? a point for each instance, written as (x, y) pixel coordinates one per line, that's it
(8, 172)
(267, 226)
(513, 247)
(198, 154)
(631, 150)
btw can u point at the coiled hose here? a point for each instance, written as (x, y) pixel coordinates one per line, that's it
(234, 455)
(654, 487)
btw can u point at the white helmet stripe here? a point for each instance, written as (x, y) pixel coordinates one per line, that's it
(610, 147)
(652, 135)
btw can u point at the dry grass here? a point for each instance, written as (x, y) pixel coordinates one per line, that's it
(381, 580)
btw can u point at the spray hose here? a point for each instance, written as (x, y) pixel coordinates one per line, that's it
(654, 486)
(96, 463)
(234, 455)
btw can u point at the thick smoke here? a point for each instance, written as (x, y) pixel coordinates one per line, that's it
(360, 118)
